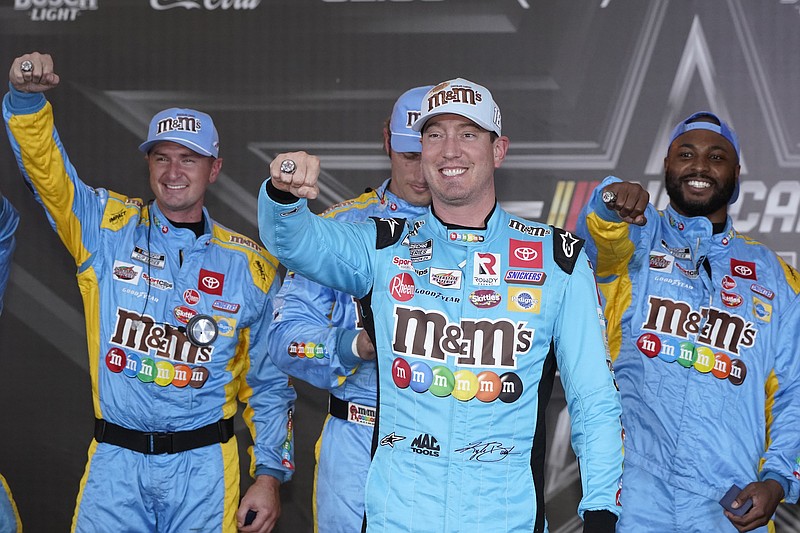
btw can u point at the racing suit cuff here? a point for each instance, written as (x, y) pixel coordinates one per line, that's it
(780, 480)
(602, 521)
(346, 347)
(280, 475)
(21, 103)
(277, 195)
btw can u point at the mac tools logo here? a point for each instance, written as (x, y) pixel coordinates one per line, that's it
(55, 10)
(208, 5)
(426, 444)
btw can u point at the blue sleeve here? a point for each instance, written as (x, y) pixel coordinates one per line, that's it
(782, 456)
(305, 315)
(592, 398)
(269, 397)
(610, 242)
(300, 239)
(74, 210)
(595, 205)
(9, 219)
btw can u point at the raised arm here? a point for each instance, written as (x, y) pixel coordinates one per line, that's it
(298, 238)
(74, 210)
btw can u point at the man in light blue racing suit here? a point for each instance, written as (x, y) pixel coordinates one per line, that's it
(177, 307)
(9, 220)
(313, 324)
(702, 326)
(470, 310)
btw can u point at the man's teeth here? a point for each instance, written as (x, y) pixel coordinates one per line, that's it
(175, 187)
(699, 184)
(451, 172)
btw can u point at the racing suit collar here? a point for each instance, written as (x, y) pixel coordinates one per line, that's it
(697, 227)
(162, 224)
(697, 235)
(467, 235)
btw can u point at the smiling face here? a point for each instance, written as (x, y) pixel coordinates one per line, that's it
(701, 171)
(179, 178)
(458, 161)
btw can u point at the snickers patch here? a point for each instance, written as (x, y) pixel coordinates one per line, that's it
(763, 291)
(525, 277)
(227, 307)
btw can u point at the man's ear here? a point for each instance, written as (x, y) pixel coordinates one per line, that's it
(386, 141)
(500, 150)
(216, 167)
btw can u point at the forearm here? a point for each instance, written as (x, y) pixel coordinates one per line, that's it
(298, 238)
(270, 415)
(326, 359)
(782, 456)
(9, 219)
(592, 398)
(73, 209)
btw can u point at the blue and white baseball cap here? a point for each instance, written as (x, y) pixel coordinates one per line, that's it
(705, 120)
(193, 129)
(405, 113)
(461, 97)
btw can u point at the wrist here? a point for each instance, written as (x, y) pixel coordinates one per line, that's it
(21, 102)
(347, 347)
(778, 483)
(279, 196)
(267, 480)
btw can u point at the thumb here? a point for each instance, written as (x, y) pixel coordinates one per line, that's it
(745, 494)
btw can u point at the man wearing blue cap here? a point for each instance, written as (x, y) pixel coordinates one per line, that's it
(177, 307)
(9, 220)
(314, 325)
(470, 310)
(702, 326)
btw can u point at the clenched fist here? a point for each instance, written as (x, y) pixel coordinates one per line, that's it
(296, 173)
(36, 77)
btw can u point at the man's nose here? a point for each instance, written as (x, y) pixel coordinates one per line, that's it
(175, 168)
(451, 147)
(700, 165)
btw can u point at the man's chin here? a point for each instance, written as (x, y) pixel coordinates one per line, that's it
(698, 209)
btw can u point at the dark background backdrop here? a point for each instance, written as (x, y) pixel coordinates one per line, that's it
(587, 88)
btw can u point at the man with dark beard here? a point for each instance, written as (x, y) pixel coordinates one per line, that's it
(701, 330)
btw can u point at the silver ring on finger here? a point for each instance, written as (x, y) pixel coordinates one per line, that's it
(26, 66)
(609, 197)
(288, 166)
